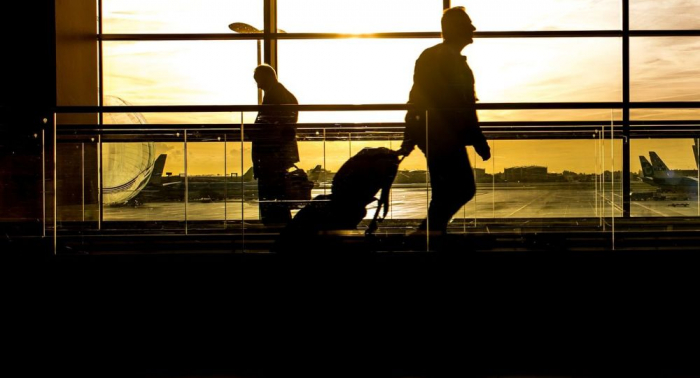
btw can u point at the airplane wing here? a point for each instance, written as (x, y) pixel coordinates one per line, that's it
(689, 181)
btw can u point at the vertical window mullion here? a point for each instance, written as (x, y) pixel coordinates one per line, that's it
(270, 27)
(625, 173)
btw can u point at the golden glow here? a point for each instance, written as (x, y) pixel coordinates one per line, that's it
(379, 71)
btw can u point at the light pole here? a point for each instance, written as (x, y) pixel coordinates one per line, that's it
(240, 27)
(243, 28)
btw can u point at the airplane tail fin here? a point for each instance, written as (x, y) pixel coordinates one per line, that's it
(696, 152)
(657, 163)
(248, 175)
(647, 168)
(158, 167)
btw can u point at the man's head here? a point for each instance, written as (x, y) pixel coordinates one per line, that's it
(457, 26)
(265, 76)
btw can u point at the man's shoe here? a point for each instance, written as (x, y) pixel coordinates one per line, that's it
(425, 233)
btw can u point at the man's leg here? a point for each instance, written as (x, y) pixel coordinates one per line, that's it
(453, 185)
(271, 188)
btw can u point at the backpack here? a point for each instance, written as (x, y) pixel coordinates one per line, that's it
(354, 187)
(361, 177)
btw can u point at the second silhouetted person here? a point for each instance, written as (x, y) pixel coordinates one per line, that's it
(274, 146)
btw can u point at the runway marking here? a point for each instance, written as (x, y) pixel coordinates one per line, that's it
(612, 202)
(524, 206)
(650, 209)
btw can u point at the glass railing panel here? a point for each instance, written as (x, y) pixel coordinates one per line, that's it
(531, 179)
(485, 197)
(77, 180)
(664, 177)
(108, 177)
(241, 203)
(410, 193)
(325, 149)
(143, 176)
(218, 179)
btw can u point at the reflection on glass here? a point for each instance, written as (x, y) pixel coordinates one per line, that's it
(77, 180)
(126, 167)
(160, 197)
(664, 69)
(664, 177)
(178, 16)
(524, 179)
(358, 16)
(543, 14)
(664, 14)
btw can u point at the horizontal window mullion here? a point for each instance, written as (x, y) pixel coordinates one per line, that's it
(345, 107)
(398, 35)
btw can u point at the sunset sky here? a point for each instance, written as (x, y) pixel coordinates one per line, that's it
(366, 71)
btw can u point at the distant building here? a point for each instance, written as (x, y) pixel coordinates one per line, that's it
(412, 177)
(531, 173)
(480, 175)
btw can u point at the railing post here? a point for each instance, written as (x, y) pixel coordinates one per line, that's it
(625, 174)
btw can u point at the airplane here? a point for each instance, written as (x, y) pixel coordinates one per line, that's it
(658, 174)
(319, 175)
(199, 188)
(127, 192)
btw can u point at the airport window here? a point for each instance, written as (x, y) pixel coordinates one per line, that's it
(664, 69)
(543, 54)
(359, 16)
(351, 71)
(177, 16)
(667, 14)
(541, 15)
(547, 69)
(180, 72)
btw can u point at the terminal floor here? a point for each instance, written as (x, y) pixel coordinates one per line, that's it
(533, 304)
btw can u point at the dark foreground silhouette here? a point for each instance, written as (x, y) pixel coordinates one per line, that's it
(355, 186)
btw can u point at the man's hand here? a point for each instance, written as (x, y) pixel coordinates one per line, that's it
(405, 150)
(484, 152)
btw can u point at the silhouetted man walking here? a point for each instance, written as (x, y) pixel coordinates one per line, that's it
(443, 85)
(275, 147)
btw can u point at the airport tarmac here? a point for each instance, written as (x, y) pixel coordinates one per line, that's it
(555, 200)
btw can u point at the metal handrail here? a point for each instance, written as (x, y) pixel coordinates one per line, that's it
(370, 107)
